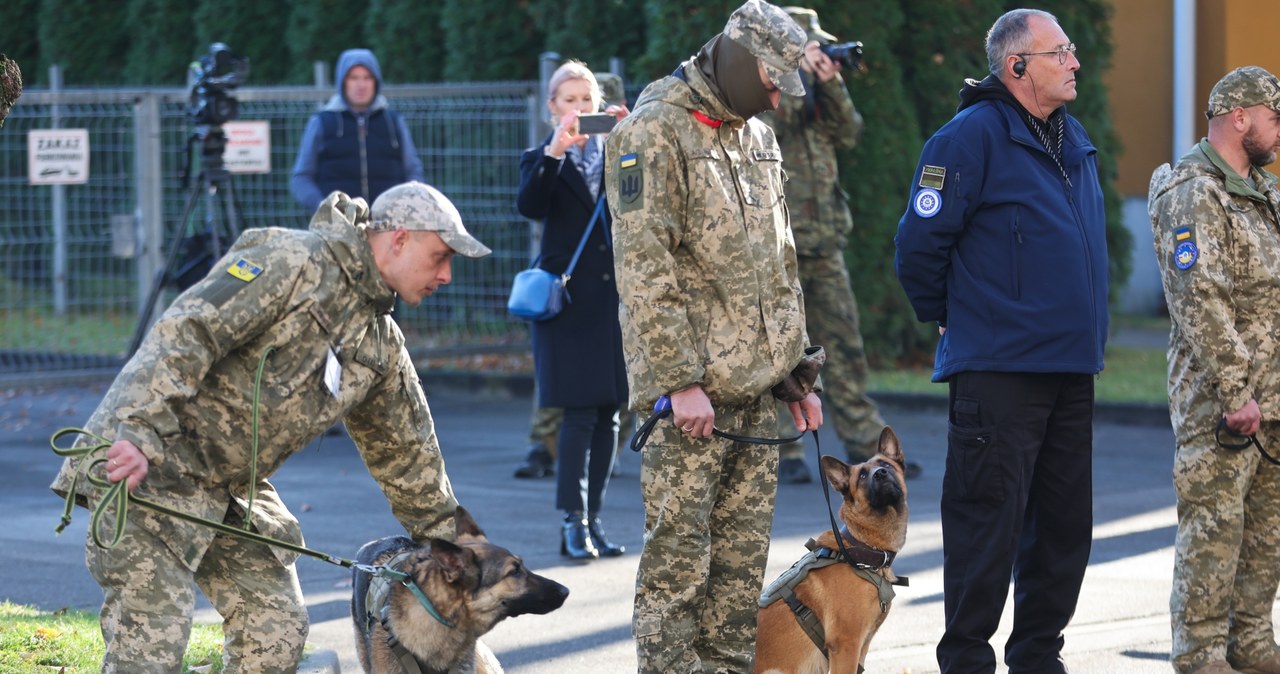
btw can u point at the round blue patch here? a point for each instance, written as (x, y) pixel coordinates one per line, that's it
(927, 203)
(1185, 255)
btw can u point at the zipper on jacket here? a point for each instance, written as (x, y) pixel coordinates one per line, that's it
(1015, 263)
(362, 128)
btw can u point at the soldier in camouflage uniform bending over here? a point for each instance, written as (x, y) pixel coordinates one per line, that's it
(1216, 221)
(312, 310)
(711, 316)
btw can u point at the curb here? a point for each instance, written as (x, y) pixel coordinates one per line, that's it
(320, 661)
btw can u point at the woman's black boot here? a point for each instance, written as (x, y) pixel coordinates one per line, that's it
(575, 540)
(603, 546)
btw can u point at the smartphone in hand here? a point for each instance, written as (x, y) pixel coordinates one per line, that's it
(596, 123)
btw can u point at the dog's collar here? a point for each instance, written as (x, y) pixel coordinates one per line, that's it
(860, 554)
(380, 589)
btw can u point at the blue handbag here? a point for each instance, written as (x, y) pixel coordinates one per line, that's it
(537, 294)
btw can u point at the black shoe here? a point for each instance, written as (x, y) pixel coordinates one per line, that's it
(537, 464)
(575, 541)
(601, 542)
(793, 471)
(913, 470)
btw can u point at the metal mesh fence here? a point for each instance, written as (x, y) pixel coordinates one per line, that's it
(77, 261)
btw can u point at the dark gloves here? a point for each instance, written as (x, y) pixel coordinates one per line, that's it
(795, 386)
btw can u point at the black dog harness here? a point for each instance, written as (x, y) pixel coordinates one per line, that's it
(865, 561)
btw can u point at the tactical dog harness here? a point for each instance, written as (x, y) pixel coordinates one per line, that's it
(863, 559)
(377, 607)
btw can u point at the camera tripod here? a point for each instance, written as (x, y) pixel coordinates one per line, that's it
(194, 251)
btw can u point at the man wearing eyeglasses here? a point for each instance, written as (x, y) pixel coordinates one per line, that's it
(1003, 245)
(1215, 218)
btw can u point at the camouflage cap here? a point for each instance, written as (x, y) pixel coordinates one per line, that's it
(808, 20)
(774, 38)
(1244, 87)
(611, 88)
(420, 207)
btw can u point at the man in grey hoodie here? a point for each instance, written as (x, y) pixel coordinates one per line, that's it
(356, 143)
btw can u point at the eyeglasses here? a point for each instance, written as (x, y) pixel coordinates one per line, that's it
(1069, 48)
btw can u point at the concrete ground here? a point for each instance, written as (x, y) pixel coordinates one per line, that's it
(1121, 624)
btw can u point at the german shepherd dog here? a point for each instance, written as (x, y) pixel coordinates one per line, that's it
(847, 608)
(470, 584)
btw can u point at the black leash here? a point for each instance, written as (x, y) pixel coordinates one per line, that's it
(662, 410)
(1242, 444)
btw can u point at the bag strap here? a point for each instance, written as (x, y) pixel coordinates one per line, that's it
(568, 272)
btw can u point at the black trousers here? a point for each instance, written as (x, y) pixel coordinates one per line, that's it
(584, 457)
(1017, 501)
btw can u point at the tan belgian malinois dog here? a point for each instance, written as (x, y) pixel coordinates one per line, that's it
(467, 586)
(821, 614)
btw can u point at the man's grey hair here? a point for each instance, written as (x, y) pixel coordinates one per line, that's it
(1010, 35)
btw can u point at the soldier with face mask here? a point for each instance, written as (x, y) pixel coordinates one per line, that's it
(712, 317)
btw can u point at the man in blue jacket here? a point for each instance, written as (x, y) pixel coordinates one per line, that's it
(1003, 245)
(356, 143)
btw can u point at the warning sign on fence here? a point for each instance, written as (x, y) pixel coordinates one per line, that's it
(248, 147)
(58, 156)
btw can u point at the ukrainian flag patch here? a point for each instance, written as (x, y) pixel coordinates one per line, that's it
(627, 160)
(244, 270)
(1182, 234)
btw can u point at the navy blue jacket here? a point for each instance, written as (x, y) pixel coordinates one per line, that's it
(1012, 261)
(577, 354)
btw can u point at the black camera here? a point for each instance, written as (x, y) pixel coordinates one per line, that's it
(847, 54)
(215, 75)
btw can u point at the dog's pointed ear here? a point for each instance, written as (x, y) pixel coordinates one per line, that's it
(891, 447)
(837, 473)
(451, 559)
(465, 525)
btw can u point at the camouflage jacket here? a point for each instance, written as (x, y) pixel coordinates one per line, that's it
(820, 217)
(705, 261)
(1216, 242)
(186, 398)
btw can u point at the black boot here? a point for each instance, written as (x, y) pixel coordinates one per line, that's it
(603, 546)
(537, 464)
(575, 540)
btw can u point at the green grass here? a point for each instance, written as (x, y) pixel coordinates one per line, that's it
(81, 333)
(39, 642)
(1132, 374)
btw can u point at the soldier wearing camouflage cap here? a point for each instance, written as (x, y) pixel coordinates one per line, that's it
(1214, 216)
(292, 329)
(712, 318)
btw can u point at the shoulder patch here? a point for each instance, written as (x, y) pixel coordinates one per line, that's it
(927, 203)
(933, 177)
(1185, 254)
(630, 183)
(244, 270)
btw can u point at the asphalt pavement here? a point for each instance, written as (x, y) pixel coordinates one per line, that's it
(1121, 625)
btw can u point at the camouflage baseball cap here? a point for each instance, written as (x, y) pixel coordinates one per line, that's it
(808, 20)
(1244, 87)
(774, 38)
(420, 207)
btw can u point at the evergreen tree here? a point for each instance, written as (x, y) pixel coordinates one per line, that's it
(252, 29)
(593, 31)
(396, 31)
(18, 38)
(489, 40)
(318, 30)
(85, 37)
(675, 31)
(159, 55)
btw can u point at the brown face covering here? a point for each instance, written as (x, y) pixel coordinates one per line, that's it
(734, 74)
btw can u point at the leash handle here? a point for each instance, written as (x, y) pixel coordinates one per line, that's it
(1244, 444)
(662, 410)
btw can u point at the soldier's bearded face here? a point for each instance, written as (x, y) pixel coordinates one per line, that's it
(1263, 136)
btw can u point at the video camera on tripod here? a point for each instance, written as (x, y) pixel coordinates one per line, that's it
(194, 250)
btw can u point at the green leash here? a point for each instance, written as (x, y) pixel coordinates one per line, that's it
(118, 495)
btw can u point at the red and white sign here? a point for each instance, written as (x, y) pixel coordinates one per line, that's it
(248, 146)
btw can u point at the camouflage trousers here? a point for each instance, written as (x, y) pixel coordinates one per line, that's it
(831, 318)
(1227, 551)
(149, 597)
(708, 512)
(544, 425)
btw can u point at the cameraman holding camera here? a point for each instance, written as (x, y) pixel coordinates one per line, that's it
(811, 130)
